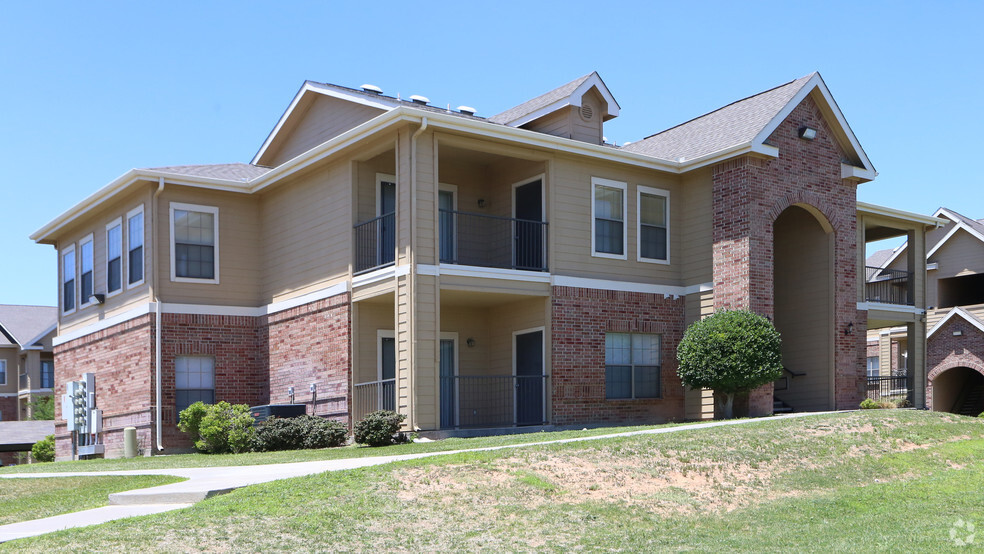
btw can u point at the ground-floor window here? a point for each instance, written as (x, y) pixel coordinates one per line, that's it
(873, 366)
(194, 380)
(632, 365)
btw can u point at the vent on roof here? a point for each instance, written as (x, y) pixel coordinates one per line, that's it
(466, 110)
(420, 99)
(586, 112)
(372, 88)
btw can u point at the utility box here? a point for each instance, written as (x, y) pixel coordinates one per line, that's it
(262, 413)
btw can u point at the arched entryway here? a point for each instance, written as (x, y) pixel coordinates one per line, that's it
(959, 390)
(803, 296)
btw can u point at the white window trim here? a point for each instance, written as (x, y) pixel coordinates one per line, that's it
(595, 183)
(640, 190)
(116, 222)
(88, 239)
(453, 189)
(61, 282)
(126, 251)
(383, 334)
(215, 222)
(3, 366)
(380, 178)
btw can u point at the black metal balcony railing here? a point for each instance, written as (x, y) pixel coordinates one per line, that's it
(492, 241)
(375, 243)
(493, 400)
(889, 286)
(24, 383)
(369, 397)
(889, 387)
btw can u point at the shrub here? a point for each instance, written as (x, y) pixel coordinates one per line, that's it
(219, 428)
(296, 433)
(44, 449)
(869, 404)
(731, 352)
(380, 428)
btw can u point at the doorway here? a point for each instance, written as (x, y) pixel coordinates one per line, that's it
(528, 226)
(528, 364)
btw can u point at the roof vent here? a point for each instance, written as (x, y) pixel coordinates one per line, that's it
(372, 88)
(466, 110)
(420, 99)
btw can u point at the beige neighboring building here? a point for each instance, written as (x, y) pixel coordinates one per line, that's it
(954, 254)
(27, 367)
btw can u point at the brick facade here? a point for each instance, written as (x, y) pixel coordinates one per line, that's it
(580, 319)
(944, 352)
(8, 408)
(748, 195)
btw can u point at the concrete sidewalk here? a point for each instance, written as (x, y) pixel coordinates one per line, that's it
(206, 482)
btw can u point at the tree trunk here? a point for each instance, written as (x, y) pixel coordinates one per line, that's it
(726, 402)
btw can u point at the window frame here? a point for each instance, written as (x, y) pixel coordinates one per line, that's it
(118, 222)
(139, 210)
(623, 186)
(3, 371)
(877, 367)
(651, 191)
(633, 365)
(70, 249)
(380, 335)
(41, 375)
(176, 389)
(214, 210)
(86, 240)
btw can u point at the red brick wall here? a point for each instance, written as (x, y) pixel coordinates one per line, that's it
(748, 195)
(580, 319)
(310, 344)
(9, 408)
(945, 351)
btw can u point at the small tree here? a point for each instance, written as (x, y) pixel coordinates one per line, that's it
(730, 352)
(42, 408)
(44, 449)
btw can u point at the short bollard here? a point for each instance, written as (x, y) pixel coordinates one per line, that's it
(130, 442)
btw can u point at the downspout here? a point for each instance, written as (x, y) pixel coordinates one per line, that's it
(157, 310)
(413, 268)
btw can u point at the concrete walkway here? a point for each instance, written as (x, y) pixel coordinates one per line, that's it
(205, 482)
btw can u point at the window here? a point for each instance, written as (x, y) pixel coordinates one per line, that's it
(654, 217)
(3, 372)
(194, 380)
(86, 277)
(134, 244)
(194, 243)
(47, 374)
(68, 279)
(114, 257)
(608, 218)
(632, 365)
(873, 366)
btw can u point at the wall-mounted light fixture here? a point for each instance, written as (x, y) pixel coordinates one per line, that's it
(98, 298)
(850, 329)
(482, 203)
(290, 394)
(957, 333)
(470, 342)
(807, 133)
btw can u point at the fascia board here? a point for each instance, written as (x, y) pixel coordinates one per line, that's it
(40, 336)
(960, 312)
(595, 81)
(893, 213)
(957, 226)
(532, 116)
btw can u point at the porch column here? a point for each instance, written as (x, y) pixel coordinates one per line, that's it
(916, 347)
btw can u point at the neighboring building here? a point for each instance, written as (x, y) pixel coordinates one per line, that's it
(477, 272)
(955, 319)
(27, 367)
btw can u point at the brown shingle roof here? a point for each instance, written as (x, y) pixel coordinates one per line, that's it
(25, 323)
(542, 101)
(735, 124)
(233, 171)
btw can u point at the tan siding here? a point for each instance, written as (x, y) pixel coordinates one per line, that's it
(963, 254)
(699, 403)
(494, 285)
(10, 355)
(425, 248)
(323, 120)
(588, 130)
(695, 254)
(469, 323)
(426, 352)
(371, 319)
(557, 123)
(240, 249)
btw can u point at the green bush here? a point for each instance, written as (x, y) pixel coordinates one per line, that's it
(380, 428)
(731, 352)
(296, 433)
(44, 449)
(218, 428)
(869, 404)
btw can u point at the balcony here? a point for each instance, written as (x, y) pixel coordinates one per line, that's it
(888, 286)
(24, 383)
(492, 241)
(375, 243)
(373, 396)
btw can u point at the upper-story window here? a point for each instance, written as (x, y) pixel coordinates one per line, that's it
(68, 279)
(134, 243)
(608, 215)
(47, 374)
(3, 372)
(114, 257)
(654, 218)
(194, 243)
(85, 261)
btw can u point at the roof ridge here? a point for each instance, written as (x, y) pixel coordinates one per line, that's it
(575, 82)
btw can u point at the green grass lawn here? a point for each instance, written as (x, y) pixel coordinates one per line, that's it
(25, 499)
(876, 480)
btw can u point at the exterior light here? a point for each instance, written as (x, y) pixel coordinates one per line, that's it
(807, 133)
(98, 298)
(850, 329)
(470, 342)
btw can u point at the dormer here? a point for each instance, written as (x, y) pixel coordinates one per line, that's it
(576, 111)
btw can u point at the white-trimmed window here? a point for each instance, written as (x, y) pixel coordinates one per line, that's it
(68, 279)
(653, 207)
(608, 218)
(85, 271)
(3, 372)
(114, 257)
(194, 381)
(873, 369)
(194, 243)
(135, 246)
(632, 365)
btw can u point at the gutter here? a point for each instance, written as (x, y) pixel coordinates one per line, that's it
(157, 315)
(413, 263)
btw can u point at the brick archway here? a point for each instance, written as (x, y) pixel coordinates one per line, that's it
(946, 366)
(811, 202)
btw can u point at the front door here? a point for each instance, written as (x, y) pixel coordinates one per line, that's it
(528, 227)
(528, 352)
(446, 218)
(387, 223)
(448, 385)
(386, 397)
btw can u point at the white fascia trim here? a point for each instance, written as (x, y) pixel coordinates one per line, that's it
(574, 99)
(932, 266)
(309, 86)
(380, 275)
(957, 225)
(894, 213)
(322, 294)
(897, 308)
(147, 308)
(453, 270)
(628, 286)
(40, 336)
(960, 312)
(33, 391)
(849, 171)
(532, 116)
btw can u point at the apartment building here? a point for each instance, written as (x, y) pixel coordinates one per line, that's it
(473, 271)
(27, 369)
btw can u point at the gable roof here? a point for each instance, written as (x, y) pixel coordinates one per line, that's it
(972, 226)
(569, 94)
(960, 312)
(25, 325)
(234, 171)
(875, 261)
(748, 123)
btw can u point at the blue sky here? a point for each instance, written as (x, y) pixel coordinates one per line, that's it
(90, 90)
